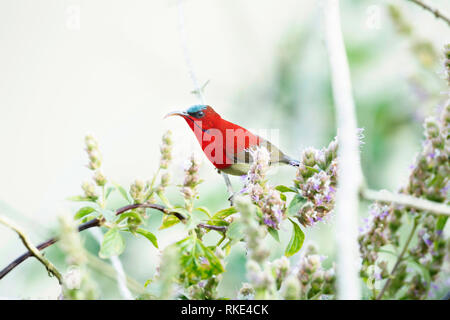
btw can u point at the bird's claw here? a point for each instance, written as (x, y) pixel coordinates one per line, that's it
(231, 199)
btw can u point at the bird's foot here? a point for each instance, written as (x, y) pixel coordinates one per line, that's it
(231, 199)
(229, 187)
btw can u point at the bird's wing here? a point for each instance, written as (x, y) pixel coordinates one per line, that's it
(245, 155)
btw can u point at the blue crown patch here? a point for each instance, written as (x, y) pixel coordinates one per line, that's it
(196, 108)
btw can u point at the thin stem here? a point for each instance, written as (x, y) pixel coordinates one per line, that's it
(349, 171)
(152, 184)
(226, 244)
(186, 54)
(221, 240)
(399, 260)
(31, 248)
(406, 200)
(43, 245)
(117, 265)
(211, 227)
(436, 12)
(107, 270)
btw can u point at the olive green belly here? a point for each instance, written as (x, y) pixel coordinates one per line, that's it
(237, 169)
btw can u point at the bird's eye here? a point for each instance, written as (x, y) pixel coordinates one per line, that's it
(199, 114)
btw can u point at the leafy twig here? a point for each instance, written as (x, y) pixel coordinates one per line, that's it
(97, 222)
(436, 12)
(43, 245)
(406, 200)
(33, 251)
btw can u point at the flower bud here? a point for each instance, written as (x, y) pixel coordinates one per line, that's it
(89, 190)
(99, 178)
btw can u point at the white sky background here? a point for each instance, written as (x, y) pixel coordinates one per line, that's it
(116, 77)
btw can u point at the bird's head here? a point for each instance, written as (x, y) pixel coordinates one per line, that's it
(201, 116)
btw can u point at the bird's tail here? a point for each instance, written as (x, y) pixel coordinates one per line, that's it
(290, 161)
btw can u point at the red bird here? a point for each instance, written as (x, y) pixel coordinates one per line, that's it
(227, 145)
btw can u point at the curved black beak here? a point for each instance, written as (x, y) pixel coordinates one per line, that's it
(176, 113)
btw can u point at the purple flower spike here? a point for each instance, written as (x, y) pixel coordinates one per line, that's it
(384, 214)
(270, 223)
(426, 239)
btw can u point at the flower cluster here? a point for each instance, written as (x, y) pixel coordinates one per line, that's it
(167, 273)
(423, 49)
(429, 178)
(89, 190)
(259, 270)
(95, 162)
(137, 191)
(378, 230)
(307, 280)
(280, 269)
(95, 159)
(433, 167)
(77, 281)
(166, 150)
(191, 181)
(166, 158)
(316, 181)
(246, 292)
(264, 196)
(164, 183)
(205, 289)
(143, 192)
(315, 280)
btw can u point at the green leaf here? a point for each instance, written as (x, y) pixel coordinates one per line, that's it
(83, 212)
(130, 214)
(422, 270)
(164, 199)
(297, 202)
(296, 242)
(113, 244)
(440, 224)
(204, 210)
(108, 192)
(282, 188)
(147, 283)
(197, 261)
(311, 170)
(123, 192)
(218, 222)
(235, 231)
(150, 236)
(283, 196)
(81, 198)
(274, 233)
(222, 214)
(168, 221)
(218, 218)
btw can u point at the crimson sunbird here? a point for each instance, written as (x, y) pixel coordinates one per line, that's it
(228, 146)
